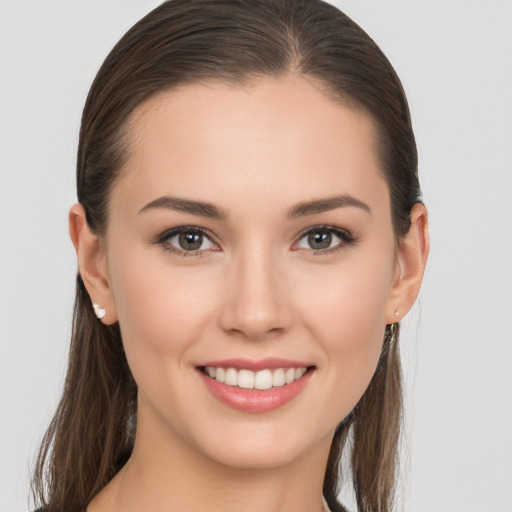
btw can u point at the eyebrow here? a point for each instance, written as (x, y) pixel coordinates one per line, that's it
(325, 205)
(187, 206)
(211, 211)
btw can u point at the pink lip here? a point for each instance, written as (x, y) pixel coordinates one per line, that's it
(255, 400)
(270, 363)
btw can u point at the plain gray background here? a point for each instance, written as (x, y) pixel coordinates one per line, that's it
(455, 61)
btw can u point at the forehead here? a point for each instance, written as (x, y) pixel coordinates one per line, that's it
(280, 135)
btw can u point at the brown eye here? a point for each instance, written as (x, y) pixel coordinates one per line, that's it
(186, 240)
(190, 241)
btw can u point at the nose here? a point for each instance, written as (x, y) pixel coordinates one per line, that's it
(256, 304)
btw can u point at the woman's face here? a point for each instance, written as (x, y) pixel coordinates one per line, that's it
(250, 236)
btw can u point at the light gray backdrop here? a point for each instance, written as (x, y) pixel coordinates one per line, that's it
(455, 60)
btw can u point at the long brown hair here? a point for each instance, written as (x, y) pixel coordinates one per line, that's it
(187, 41)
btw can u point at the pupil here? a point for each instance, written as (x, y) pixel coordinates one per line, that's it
(320, 240)
(191, 241)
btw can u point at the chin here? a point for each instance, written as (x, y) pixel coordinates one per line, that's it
(263, 448)
(250, 458)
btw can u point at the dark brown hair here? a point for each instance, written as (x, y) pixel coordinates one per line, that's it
(233, 41)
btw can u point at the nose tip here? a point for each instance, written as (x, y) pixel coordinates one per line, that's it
(256, 304)
(255, 327)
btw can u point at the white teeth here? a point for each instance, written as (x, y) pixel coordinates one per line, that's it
(299, 372)
(263, 379)
(278, 378)
(289, 375)
(231, 378)
(220, 374)
(246, 379)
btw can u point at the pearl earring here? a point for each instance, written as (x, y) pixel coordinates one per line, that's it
(99, 312)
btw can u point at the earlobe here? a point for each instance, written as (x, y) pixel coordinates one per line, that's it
(92, 265)
(412, 257)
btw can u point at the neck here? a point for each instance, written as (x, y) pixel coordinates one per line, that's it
(165, 474)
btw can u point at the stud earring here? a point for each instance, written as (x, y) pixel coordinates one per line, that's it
(396, 312)
(99, 312)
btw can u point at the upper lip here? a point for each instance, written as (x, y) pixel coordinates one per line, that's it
(269, 363)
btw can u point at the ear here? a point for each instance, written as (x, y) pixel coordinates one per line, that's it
(411, 259)
(92, 263)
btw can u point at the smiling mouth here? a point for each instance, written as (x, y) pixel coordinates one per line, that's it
(260, 380)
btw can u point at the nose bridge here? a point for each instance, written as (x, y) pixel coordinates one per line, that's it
(256, 303)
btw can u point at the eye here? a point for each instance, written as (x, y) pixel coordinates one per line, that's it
(325, 239)
(186, 241)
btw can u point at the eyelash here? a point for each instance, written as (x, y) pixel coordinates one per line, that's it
(162, 240)
(347, 239)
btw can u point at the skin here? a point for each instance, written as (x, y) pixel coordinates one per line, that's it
(256, 290)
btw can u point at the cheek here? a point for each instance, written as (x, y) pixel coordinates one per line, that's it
(347, 317)
(350, 302)
(161, 309)
(162, 313)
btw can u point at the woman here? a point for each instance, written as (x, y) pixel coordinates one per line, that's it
(249, 233)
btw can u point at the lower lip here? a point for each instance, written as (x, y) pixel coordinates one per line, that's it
(255, 400)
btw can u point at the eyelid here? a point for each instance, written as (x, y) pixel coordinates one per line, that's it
(346, 237)
(162, 238)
